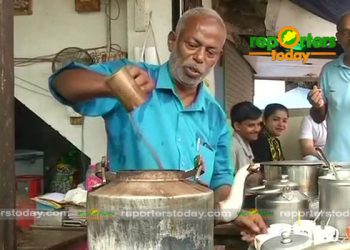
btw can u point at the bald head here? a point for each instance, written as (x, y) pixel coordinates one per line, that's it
(342, 20)
(343, 33)
(198, 12)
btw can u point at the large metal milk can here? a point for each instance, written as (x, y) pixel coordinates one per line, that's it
(335, 199)
(151, 210)
(159, 209)
(281, 201)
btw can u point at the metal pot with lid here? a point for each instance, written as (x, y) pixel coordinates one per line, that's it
(287, 241)
(283, 182)
(335, 199)
(304, 173)
(281, 201)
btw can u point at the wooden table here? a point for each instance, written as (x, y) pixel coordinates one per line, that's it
(52, 238)
(227, 237)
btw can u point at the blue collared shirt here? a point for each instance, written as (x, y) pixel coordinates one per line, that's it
(171, 130)
(335, 83)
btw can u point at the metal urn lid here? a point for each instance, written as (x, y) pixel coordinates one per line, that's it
(287, 241)
(283, 182)
(292, 163)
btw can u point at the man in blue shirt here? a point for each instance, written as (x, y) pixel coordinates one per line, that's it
(332, 100)
(180, 119)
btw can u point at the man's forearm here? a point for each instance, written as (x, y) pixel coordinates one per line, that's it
(318, 114)
(222, 193)
(79, 84)
(307, 147)
(310, 151)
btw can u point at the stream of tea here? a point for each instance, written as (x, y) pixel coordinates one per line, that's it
(140, 135)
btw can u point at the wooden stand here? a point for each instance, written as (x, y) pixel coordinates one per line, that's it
(40, 239)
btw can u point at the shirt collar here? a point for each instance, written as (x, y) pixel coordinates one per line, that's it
(339, 62)
(245, 145)
(165, 81)
(240, 139)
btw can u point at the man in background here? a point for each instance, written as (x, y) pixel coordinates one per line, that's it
(246, 122)
(312, 135)
(332, 99)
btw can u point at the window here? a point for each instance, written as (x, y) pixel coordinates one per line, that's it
(272, 91)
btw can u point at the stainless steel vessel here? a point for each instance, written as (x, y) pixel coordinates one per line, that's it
(331, 246)
(159, 209)
(335, 199)
(304, 173)
(287, 241)
(281, 202)
(150, 210)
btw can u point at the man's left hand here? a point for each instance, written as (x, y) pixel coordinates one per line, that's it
(250, 226)
(142, 78)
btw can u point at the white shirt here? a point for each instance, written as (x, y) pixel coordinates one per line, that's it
(314, 131)
(242, 156)
(242, 152)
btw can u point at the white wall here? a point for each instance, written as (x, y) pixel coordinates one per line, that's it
(162, 22)
(53, 26)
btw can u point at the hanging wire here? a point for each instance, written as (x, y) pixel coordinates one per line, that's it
(32, 90)
(25, 61)
(108, 13)
(32, 84)
(22, 61)
(109, 27)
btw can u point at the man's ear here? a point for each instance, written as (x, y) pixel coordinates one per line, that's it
(171, 40)
(236, 126)
(339, 37)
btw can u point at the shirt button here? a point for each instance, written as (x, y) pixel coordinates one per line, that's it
(182, 163)
(179, 139)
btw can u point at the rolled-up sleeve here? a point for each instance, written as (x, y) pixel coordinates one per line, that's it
(96, 106)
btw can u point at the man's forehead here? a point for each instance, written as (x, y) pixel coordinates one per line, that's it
(209, 26)
(345, 22)
(279, 114)
(251, 121)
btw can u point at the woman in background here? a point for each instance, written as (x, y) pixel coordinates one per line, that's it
(275, 122)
